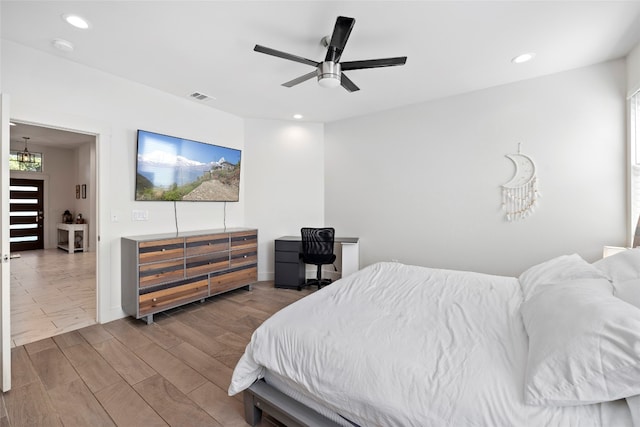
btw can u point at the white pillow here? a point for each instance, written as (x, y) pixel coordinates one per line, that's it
(622, 266)
(628, 291)
(560, 269)
(584, 344)
(623, 269)
(634, 407)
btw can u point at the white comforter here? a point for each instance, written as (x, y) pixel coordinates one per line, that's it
(398, 345)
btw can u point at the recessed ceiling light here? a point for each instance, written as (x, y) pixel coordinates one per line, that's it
(63, 45)
(76, 21)
(525, 57)
(297, 116)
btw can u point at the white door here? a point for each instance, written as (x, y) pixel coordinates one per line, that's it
(5, 279)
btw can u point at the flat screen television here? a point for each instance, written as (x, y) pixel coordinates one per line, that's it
(177, 169)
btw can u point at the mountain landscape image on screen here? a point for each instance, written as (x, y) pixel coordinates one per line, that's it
(174, 169)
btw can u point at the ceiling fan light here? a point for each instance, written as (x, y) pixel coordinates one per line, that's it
(329, 74)
(329, 82)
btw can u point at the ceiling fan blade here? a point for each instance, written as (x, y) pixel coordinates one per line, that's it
(284, 55)
(301, 79)
(339, 38)
(373, 63)
(347, 83)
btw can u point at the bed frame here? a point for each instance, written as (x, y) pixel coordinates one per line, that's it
(263, 397)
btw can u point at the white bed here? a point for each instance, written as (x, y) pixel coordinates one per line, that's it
(399, 345)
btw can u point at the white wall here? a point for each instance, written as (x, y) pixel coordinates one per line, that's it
(284, 165)
(85, 175)
(421, 184)
(633, 71)
(48, 90)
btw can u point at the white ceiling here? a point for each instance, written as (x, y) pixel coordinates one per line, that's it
(182, 47)
(39, 135)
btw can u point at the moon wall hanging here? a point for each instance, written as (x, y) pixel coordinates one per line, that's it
(520, 194)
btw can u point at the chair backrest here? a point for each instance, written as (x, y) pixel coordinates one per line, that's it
(317, 245)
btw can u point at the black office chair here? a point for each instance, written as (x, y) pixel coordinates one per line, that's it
(317, 249)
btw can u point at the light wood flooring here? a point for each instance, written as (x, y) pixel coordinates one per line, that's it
(52, 292)
(174, 372)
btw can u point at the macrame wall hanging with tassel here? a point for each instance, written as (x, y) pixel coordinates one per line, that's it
(520, 194)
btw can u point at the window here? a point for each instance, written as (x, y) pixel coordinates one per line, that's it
(15, 165)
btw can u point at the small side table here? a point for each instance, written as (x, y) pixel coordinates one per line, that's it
(67, 234)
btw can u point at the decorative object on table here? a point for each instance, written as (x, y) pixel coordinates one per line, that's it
(520, 194)
(78, 191)
(67, 217)
(79, 219)
(84, 191)
(78, 241)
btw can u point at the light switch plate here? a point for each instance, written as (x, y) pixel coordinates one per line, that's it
(138, 215)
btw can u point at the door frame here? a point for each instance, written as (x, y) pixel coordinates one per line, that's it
(106, 308)
(5, 276)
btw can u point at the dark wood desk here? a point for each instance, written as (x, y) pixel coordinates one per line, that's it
(290, 270)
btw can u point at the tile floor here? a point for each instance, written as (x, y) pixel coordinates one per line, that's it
(52, 292)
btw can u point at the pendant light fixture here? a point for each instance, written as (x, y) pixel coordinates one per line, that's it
(25, 156)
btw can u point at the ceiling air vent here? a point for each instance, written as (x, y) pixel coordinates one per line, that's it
(201, 96)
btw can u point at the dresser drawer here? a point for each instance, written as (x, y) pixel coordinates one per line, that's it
(199, 245)
(159, 250)
(209, 263)
(242, 257)
(221, 282)
(161, 272)
(246, 239)
(182, 293)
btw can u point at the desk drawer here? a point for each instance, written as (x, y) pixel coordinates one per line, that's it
(161, 272)
(288, 245)
(289, 275)
(287, 256)
(170, 297)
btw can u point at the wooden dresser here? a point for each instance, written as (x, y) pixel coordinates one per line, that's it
(164, 271)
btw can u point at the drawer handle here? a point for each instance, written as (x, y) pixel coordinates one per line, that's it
(163, 249)
(244, 256)
(209, 243)
(155, 299)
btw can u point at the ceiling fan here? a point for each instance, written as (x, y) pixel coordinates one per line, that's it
(330, 72)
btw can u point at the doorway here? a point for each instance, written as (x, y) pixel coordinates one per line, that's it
(52, 291)
(26, 214)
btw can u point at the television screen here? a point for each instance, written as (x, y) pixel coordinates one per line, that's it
(170, 168)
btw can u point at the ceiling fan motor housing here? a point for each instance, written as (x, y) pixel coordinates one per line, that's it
(329, 74)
